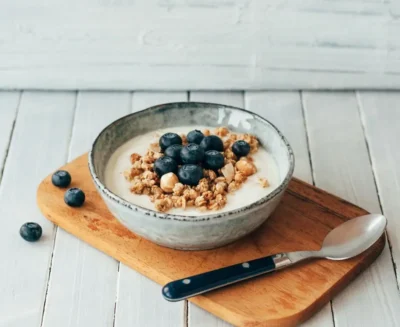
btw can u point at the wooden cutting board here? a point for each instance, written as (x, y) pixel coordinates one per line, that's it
(285, 298)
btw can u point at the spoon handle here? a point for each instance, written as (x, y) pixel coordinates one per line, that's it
(198, 284)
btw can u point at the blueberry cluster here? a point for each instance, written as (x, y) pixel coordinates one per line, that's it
(74, 197)
(188, 161)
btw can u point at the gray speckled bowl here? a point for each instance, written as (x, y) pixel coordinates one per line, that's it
(190, 232)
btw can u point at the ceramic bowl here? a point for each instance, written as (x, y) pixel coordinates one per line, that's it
(191, 232)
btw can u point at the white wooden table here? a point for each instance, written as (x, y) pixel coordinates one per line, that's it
(344, 142)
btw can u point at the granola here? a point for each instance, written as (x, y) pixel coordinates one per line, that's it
(264, 182)
(211, 192)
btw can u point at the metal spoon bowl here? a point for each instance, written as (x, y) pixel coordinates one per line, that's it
(343, 242)
(353, 237)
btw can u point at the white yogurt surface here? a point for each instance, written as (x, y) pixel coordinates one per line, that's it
(250, 191)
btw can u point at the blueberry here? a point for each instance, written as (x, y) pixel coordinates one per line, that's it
(195, 136)
(30, 232)
(241, 148)
(169, 139)
(213, 160)
(190, 174)
(165, 165)
(61, 178)
(212, 142)
(192, 154)
(74, 197)
(174, 151)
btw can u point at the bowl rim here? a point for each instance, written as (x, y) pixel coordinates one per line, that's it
(190, 218)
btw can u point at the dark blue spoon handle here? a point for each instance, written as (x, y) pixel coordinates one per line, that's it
(198, 284)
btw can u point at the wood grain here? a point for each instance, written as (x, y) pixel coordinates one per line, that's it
(230, 98)
(341, 165)
(168, 44)
(83, 281)
(138, 299)
(381, 116)
(9, 103)
(198, 317)
(284, 110)
(25, 266)
(304, 217)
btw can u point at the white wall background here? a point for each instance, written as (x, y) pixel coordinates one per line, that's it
(199, 44)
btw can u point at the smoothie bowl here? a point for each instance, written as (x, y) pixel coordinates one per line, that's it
(189, 175)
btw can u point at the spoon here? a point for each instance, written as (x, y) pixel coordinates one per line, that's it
(344, 242)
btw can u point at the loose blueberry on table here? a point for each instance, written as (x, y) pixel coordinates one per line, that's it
(61, 178)
(241, 148)
(195, 136)
(74, 197)
(212, 142)
(174, 152)
(190, 174)
(165, 165)
(169, 139)
(192, 154)
(30, 232)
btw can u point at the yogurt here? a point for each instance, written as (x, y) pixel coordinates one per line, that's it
(250, 191)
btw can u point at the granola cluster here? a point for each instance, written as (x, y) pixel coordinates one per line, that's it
(211, 191)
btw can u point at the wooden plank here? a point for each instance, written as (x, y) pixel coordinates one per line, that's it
(230, 98)
(39, 145)
(143, 100)
(197, 317)
(284, 110)
(341, 166)
(277, 107)
(9, 103)
(83, 281)
(139, 300)
(252, 44)
(381, 118)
